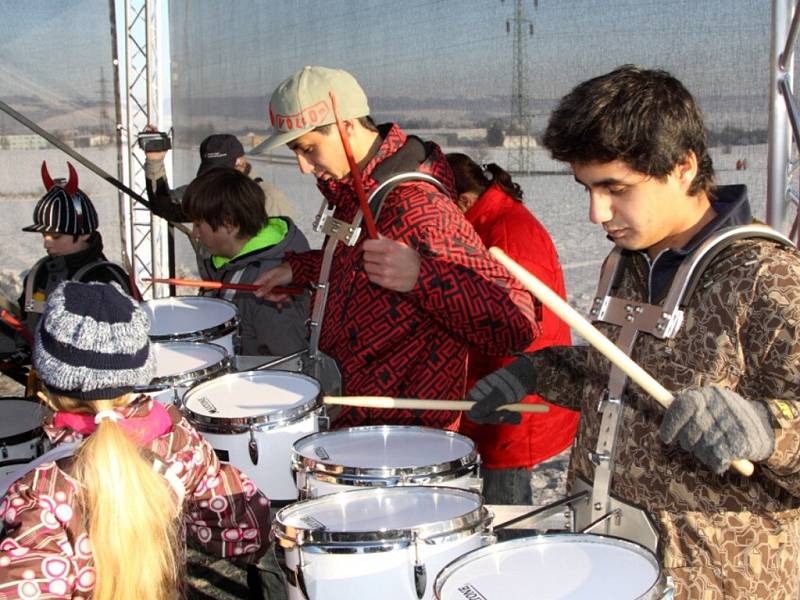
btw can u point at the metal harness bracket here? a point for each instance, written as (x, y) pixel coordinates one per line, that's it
(613, 516)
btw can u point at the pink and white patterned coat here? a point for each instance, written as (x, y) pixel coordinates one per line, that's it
(47, 551)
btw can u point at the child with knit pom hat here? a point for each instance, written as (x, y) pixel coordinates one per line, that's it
(109, 521)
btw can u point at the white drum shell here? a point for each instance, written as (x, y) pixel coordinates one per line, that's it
(271, 409)
(182, 365)
(370, 569)
(21, 436)
(384, 456)
(575, 566)
(194, 319)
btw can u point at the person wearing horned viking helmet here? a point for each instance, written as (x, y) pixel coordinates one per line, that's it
(68, 222)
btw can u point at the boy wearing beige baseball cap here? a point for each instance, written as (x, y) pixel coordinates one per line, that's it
(402, 309)
(302, 117)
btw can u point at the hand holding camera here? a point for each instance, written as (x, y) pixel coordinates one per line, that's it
(154, 143)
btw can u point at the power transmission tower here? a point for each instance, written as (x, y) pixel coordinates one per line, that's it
(520, 156)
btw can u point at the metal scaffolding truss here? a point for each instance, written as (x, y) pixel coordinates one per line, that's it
(144, 237)
(781, 195)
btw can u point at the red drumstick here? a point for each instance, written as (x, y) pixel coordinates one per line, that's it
(219, 285)
(16, 325)
(354, 172)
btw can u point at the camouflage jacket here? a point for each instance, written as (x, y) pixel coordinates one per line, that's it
(724, 536)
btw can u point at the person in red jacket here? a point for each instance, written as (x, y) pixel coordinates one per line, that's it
(492, 203)
(402, 309)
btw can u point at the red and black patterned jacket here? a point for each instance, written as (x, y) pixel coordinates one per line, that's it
(414, 345)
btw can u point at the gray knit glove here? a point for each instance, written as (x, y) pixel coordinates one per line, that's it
(504, 386)
(154, 169)
(718, 426)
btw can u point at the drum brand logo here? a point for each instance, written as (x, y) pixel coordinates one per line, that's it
(312, 522)
(207, 404)
(470, 593)
(321, 453)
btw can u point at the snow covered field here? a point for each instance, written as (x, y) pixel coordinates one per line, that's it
(559, 203)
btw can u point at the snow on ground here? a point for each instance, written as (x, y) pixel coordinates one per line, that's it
(559, 203)
(556, 199)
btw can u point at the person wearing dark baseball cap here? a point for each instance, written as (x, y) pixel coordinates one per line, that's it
(219, 150)
(403, 309)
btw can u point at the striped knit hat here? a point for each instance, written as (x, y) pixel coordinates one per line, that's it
(92, 342)
(64, 208)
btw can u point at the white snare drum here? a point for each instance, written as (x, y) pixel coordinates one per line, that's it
(384, 456)
(386, 543)
(21, 436)
(194, 319)
(252, 419)
(564, 565)
(181, 365)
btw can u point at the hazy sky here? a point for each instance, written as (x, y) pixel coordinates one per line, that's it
(54, 49)
(417, 48)
(433, 47)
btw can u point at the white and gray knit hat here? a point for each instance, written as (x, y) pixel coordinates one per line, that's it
(92, 342)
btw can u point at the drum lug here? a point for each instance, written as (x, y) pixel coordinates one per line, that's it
(252, 447)
(177, 399)
(488, 538)
(299, 578)
(420, 573)
(4, 451)
(294, 577)
(669, 591)
(301, 482)
(323, 420)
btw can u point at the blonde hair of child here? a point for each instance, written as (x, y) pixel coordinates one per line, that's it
(131, 512)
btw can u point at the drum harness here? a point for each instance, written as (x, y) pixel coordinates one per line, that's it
(593, 508)
(37, 306)
(394, 171)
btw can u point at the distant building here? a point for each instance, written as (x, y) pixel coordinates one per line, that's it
(517, 141)
(253, 139)
(449, 137)
(23, 141)
(91, 140)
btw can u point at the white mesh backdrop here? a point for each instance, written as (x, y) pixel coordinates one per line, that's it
(442, 69)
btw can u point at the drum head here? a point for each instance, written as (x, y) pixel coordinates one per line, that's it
(187, 315)
(20, 419)
(386, 447)
(383, 514)
(175, 359)
(575, 566)
(252, 397)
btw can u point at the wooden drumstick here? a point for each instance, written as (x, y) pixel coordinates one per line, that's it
(592, 335)
(219, 285)
(423, 404)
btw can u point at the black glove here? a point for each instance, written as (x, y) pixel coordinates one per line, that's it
(719, 426)
(505, 386)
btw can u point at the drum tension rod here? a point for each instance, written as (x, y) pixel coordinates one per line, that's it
(420, 573)
(544, 511)
(616, 513)
(252, 446)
